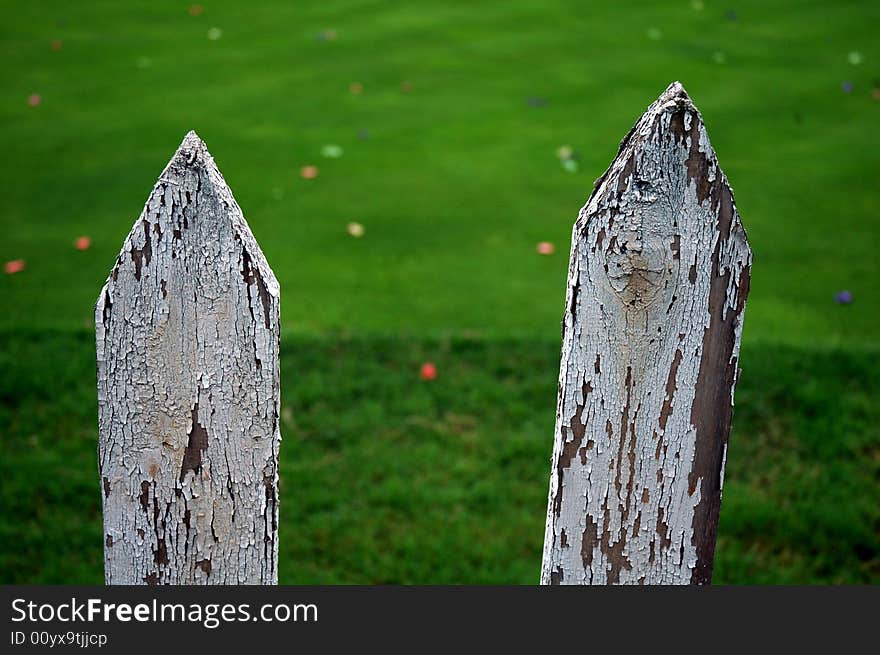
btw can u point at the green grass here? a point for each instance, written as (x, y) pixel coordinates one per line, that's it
(459, 178)
(385, 478)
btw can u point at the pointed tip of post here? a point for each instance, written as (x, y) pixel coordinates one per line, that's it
(674, 89)
(674, 93)
(192, 138)
(191, 150)
(191, 155)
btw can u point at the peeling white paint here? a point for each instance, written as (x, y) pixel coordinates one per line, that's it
(187, 332)
(648, 361)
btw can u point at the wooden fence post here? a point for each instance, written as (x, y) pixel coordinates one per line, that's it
(188, 389)
(657, 285)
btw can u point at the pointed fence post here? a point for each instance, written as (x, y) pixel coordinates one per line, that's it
(188, 390)
(657, 285)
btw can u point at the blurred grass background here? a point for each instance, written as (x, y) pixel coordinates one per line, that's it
(450, 164)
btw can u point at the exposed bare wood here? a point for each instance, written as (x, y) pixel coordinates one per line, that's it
(657, 285)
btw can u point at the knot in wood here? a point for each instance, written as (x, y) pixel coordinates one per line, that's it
(639, 263)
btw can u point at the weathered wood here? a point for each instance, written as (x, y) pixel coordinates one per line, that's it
(188, 389)
(657, 284)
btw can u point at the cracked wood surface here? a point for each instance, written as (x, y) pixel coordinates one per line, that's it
(187, 330)
(657, 284)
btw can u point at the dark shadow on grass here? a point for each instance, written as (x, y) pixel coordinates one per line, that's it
(388, 478)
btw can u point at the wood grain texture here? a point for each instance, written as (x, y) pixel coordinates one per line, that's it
(657, 284)
(187, 330)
